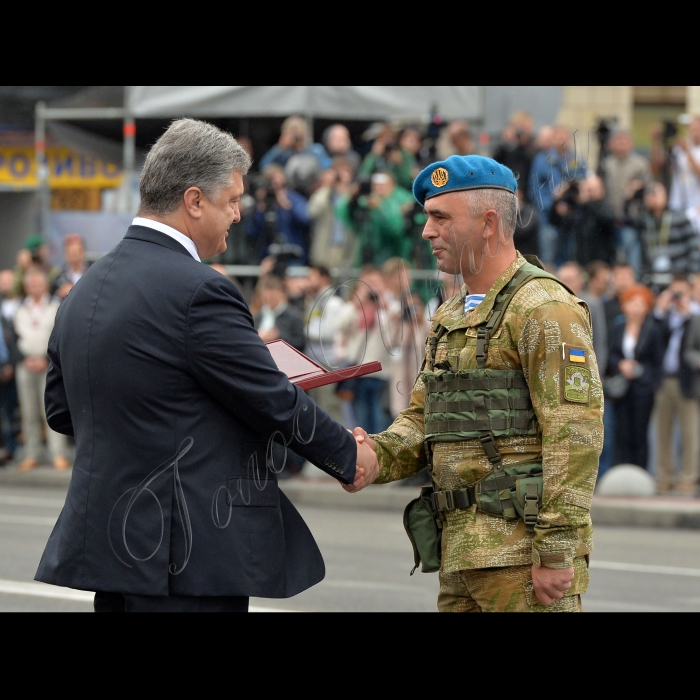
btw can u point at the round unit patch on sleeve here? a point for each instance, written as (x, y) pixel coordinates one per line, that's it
(439, 177)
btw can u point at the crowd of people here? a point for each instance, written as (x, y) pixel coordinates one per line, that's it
(343, 204)
(648, 351)
(624, 237)
(30, 295)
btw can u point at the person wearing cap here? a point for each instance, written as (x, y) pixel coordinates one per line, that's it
(509, 388)
(34, 254)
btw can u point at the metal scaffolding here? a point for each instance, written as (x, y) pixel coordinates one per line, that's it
(44, 114)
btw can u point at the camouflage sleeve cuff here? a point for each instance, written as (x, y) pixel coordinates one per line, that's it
(396, 460)
(552, 560)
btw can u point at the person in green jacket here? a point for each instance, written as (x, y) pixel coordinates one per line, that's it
(391, 155)
(378, 220)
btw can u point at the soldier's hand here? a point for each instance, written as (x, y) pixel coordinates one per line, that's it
(551, 584)
(367, 467)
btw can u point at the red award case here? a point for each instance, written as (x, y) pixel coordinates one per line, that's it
(306, 373)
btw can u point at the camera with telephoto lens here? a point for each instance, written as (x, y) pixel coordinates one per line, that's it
(669, 133)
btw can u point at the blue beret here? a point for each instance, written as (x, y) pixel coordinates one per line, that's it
(462, 173)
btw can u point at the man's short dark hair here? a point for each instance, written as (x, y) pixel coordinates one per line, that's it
(273, 282)
(322, 270)
(594, 268)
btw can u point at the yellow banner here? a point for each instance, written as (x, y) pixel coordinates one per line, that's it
(67, 169)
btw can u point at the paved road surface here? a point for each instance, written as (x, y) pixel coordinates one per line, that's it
(368, 559)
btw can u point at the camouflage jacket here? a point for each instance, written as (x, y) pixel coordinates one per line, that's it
(542, 325)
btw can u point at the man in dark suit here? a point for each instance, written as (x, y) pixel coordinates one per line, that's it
(180, 416)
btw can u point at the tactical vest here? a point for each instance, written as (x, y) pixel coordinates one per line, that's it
(486, 404)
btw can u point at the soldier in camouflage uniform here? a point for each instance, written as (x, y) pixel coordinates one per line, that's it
(490, 563)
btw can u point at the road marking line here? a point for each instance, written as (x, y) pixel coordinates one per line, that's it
(374, 586)
(44, 590)
(30, 501)
(645, 568)
(617, 606)
(26, 520)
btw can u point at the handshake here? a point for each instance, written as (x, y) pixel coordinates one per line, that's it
(367, 465)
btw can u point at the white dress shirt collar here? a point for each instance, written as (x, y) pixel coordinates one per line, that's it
(183, 240)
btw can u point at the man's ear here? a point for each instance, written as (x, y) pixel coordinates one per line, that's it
(491, 223)
(193, 202)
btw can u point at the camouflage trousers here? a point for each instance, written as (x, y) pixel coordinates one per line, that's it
(505, 589)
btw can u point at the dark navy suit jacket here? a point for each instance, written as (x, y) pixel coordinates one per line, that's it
(180, 417)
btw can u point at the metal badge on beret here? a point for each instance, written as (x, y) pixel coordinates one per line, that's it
(439, 177)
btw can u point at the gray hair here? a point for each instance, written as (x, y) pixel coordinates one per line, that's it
(190, 153)
(504, 202)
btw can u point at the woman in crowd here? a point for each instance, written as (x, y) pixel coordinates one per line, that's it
(636, 357)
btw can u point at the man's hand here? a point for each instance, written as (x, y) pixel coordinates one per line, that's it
(551, 584)
(361, 436)
(36, 364)
(367, 465)
(63, 291)
(282, 199)
(627, 368)
(663, 301)
(268, 336)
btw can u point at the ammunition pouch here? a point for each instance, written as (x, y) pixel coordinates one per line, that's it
(463, 405)
(517, 494)
(423, 526)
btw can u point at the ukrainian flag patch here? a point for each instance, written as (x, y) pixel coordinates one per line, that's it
(577, 355)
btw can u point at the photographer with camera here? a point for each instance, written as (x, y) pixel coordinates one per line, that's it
(677, 397)
(669, 243)
(331, 241)
(677, 161)
(518, 150)
(376, 211)
(585, 222)
(281, 221)
(550, 168)
(364, 335)
(625, 174)
(295, 138)
(390, 155)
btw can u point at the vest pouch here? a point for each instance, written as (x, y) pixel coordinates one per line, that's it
(511, 502)
(526, 496)
(424, 529)
(493, 502)
(461, 405)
